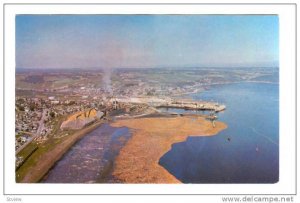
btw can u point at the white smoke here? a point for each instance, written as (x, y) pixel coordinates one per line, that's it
(107, 80)
(111, 57)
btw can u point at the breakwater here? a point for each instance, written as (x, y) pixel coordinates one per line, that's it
(194, 105)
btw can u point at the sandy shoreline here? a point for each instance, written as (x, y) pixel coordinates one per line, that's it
(151, 138)
(138, 160)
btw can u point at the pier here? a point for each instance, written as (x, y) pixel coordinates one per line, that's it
(173, 103)
(194, 105)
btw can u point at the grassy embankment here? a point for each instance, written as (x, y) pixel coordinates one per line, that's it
(39, 163)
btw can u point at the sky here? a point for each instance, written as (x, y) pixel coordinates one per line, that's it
(142, 41)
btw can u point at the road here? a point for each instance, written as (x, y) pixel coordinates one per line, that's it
(41, 124)
(38, 132)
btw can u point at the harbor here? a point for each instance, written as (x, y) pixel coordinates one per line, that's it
(195, 105)
(185, 104)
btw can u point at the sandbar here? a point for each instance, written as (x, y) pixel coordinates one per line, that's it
(138, 160)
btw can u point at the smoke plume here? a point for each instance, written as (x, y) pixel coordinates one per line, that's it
(112, 57)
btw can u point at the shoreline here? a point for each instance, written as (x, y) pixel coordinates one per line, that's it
(169, 129)
(138, 160)
(202, 88)
(49, 159)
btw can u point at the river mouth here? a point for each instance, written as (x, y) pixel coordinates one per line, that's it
(91, 159)
(246, 152)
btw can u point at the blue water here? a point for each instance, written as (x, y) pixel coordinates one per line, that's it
(246, 152)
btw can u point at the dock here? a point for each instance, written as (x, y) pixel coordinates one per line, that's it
(174, 103)
(194, 105)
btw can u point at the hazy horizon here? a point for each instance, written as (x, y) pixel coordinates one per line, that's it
(133, 68)
(146, 41)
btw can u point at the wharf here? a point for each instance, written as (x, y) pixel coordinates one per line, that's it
(194, 105)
